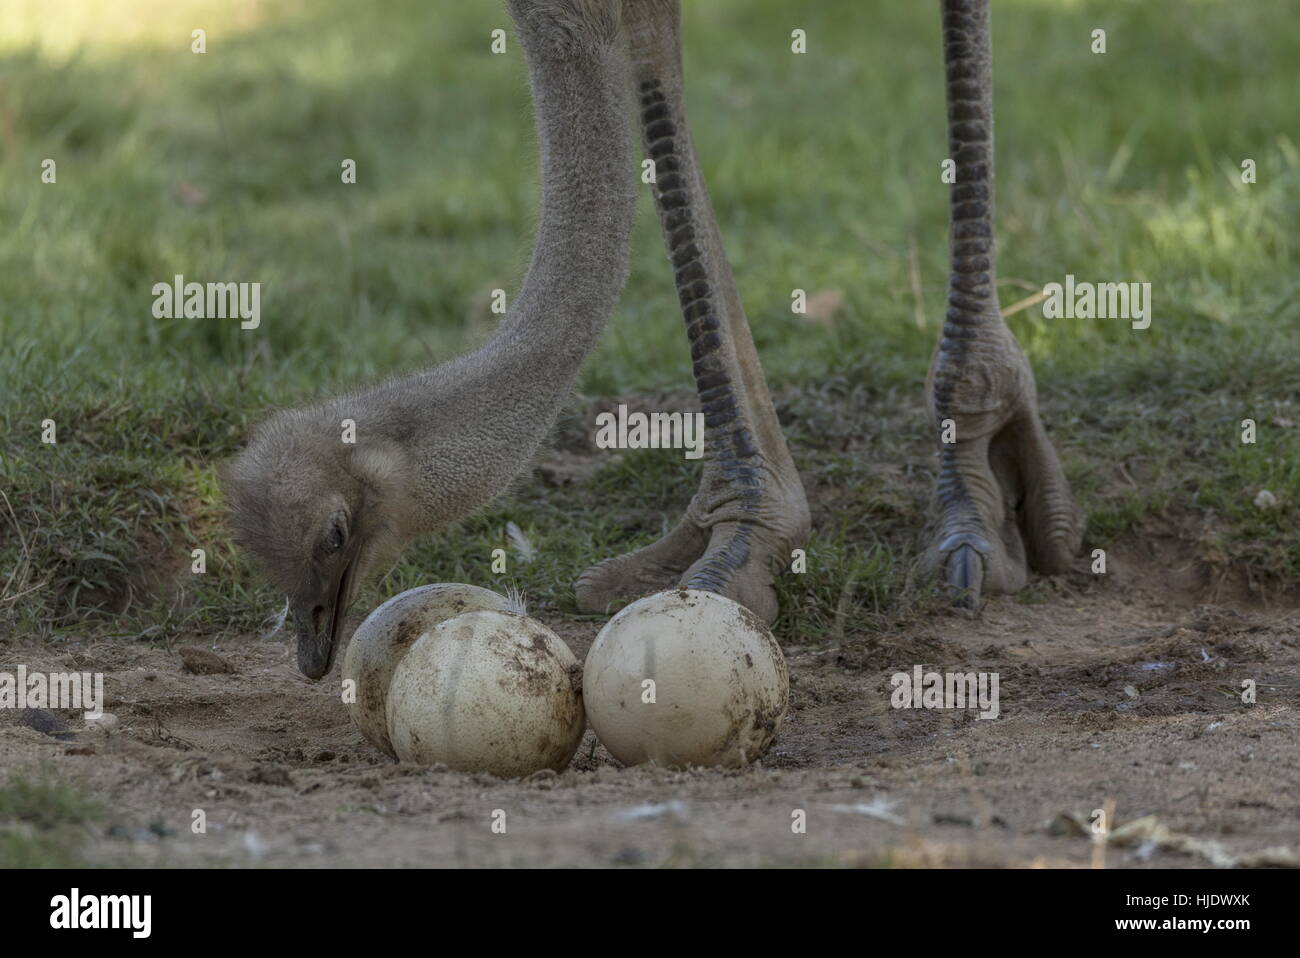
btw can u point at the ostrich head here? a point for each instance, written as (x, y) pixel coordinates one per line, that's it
(317, 514)
(433, 446)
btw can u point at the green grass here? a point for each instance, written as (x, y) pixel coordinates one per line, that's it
(43, 821)
(824, 171)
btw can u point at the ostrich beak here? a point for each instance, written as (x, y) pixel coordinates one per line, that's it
(319, 626)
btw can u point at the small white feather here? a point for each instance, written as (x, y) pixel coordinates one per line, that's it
(517, 599)
(276, 622)
(523, 548)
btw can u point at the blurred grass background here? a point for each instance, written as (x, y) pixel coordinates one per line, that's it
(824, 171)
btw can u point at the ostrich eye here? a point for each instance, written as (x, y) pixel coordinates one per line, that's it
(333, 540)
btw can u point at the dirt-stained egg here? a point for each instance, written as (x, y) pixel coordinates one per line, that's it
(384, 638)
(684, 678)
(490, 691)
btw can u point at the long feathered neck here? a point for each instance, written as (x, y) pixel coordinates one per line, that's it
(469, 426)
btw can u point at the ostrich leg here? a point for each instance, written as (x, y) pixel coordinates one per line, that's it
(750, 511)
(1002, 500)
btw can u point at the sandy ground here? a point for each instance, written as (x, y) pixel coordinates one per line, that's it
(1110, 691)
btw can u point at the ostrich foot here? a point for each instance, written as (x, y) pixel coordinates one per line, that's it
(736, 548)
(1002, 507)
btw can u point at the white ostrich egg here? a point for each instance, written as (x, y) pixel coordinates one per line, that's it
(686, 677)
(488, 692)
(381, 641)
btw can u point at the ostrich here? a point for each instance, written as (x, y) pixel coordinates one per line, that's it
(320, 514)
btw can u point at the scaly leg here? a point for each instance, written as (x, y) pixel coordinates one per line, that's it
(750, 511)
(1003, 504)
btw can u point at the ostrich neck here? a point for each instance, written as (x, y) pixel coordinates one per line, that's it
(469, 426)
(580, 259)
